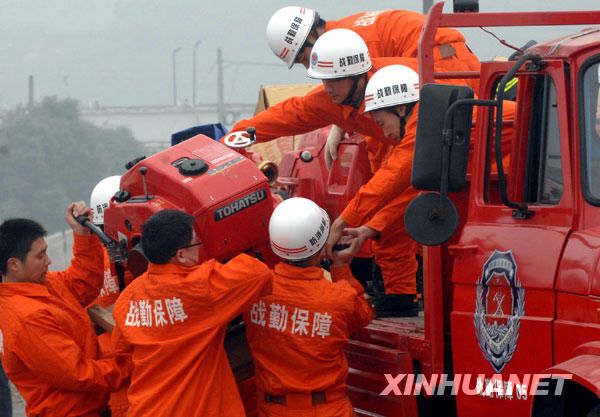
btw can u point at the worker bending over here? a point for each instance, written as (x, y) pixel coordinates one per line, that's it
(297, 333)
(172, 321)
(293, 31)
(340, 100)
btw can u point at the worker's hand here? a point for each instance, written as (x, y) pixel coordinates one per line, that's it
(75, 210)
(336, 134)
(358, 235)
(335, 233)
(343, 251)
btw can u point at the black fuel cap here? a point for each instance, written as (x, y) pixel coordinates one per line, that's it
(192, 167)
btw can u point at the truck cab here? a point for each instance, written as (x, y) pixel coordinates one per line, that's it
(516, 288)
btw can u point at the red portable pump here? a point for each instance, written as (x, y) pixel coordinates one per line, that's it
(225, 191)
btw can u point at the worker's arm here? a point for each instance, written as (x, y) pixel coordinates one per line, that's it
(85, 276)
(357, 309)
(387, 182)
(55, 358)
(121, 350)
(344, 273)
(293, 116)
(392, 215)
(234, 286)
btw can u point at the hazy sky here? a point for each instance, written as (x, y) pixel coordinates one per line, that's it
(118, 52)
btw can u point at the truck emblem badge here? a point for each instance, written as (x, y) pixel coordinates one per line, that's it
(499, 308)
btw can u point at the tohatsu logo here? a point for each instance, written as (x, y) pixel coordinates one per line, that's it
(240, 204)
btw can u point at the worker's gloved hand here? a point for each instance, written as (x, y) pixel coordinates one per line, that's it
(336, 134)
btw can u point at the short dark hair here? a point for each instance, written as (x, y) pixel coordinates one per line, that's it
(16, 237)
(164, 233)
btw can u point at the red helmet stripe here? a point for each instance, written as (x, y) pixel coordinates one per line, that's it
(289, 250)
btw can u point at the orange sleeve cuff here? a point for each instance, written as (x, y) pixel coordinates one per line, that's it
(377, 223)
(85, 242)
(351, 216)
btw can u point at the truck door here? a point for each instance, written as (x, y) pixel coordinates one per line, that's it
(506, 261)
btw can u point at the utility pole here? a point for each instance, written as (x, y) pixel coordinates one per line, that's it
(194, 74)
(220, 88)
(426, 5)
(174, 67)
(31, 93)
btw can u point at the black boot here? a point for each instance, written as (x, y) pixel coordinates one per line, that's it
(396, 305)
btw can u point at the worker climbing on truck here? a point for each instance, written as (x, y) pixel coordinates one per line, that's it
(340, 101)
(391, 98)
(296, 334)
(293, 31)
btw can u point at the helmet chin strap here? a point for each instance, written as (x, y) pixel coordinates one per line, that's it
(401, 119)
(349, 100)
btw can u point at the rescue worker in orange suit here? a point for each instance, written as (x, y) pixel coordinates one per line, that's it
(48, 346)
(297, 333)
(293, 31)
(172, 320)
(113, 273)
(340, 101)
(391, 98)
(99, 202)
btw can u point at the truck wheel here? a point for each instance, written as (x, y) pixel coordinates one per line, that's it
(594, 412)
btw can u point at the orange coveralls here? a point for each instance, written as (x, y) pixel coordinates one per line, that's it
(296, 335)
(110, 288)
(172, 320)
(109, 293)
(390, 185)
(388, 219)
(48, 345)
(298, 115)
(396, 33)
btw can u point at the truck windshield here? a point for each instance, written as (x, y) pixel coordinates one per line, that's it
(590, 126)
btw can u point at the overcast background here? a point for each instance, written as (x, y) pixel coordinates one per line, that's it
(118, 52)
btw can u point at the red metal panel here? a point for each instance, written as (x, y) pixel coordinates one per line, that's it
(584, 371)
(542, 18)
(534, 354)
(368, 364)
(579, 270)
(524, 240)
(577, 322)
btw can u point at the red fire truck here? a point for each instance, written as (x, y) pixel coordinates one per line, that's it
(512, 293)
(512, 245)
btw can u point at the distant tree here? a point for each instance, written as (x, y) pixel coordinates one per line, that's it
(52, 157)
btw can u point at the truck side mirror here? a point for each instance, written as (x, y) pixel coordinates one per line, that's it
(434, 102)
(440, 161)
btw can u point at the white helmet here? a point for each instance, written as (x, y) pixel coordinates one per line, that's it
(392, 86)
(101, 195)
(287, 31)
(339, 53)
(298, 229)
